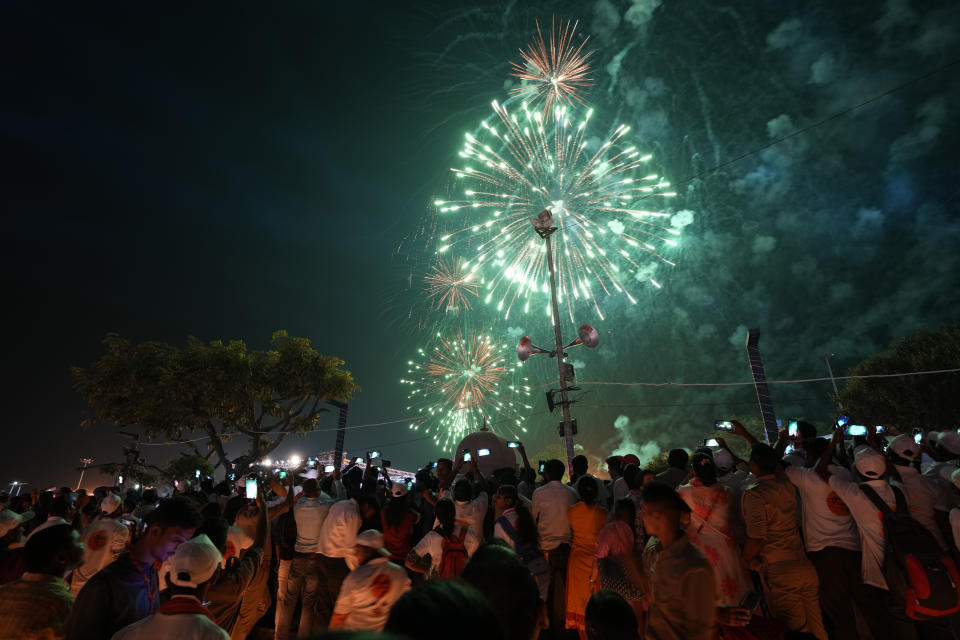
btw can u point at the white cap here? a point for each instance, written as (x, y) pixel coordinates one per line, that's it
(51, 522)
(110, 503)
(194, 562)
(905, 447)
(398, 489)
(869, 463)
(11, 519)
(373, 539)
(950, 440)
(723, 459)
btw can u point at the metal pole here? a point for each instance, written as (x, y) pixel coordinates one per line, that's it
(558, 338)
(85, 462)
(836, 394)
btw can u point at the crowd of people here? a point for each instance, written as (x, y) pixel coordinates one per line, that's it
(816, 536)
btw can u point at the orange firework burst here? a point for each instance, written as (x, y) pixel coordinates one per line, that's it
(557, 73)
(450, 285)
(465, 370)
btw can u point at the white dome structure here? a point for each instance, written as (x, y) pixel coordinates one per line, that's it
(500, 454)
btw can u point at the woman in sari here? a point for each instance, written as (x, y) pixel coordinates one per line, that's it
(586, 520)
(710, 532)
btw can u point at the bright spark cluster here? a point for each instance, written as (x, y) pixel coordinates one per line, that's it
(555, 74)
(451, 286)
(459, 382)
(601, 197)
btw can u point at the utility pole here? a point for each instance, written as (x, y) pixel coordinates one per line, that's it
(86, 463)
(836, 394)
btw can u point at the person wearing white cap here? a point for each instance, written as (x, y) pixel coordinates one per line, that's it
(12, 562)
(369, 591)
(871, 468)
(192, 567)
(927, 497)
(105, 539)
(946, 451)
(734, 479)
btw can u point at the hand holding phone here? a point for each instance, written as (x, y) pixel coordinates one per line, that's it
(251, 488)
(711, 442)
(328, 468)
(513, 444)
(723, 425)
(467, 456)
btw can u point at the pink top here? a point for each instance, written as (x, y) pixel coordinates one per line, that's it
(616, 538)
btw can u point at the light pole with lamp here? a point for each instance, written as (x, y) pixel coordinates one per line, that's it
(86, 462)
(836, 394)
(587, 336)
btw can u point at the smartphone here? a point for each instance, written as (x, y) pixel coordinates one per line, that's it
(119, 479)
(789, 449)
(311, 463)
(855, 430)
(513, 444)
(842, 421)
(357, 460)
(373, 454)
(283, 475)
(196, 474)
(881, 428)
(409, 484)
(540, 466)
(483, 452)
(232, 476)
(329, 468)
(251, 488)
(711, 442)
(433, 465)
(467, 456)
(723, 425)
(792, 428)
(750, 601)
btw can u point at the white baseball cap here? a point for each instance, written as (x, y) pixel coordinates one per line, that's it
(950, 440)
(723, 459)
(905, 447)
(110, 503)
(869, 463)
(9, 520)
(373, 539)
(194, 562)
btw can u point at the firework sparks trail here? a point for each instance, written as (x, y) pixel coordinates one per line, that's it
(605, 242)
(556, 74)
(458, 382)
(450, 285)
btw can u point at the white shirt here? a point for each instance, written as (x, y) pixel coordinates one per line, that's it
(550, 504)
(923, 496)
(471, 514)
(368, 592)
(825, 518)
(869, 523)
(955, 527)
(181, 626)
(432, 544)
(103, 540)
(310, 514)
(338, 535)
(620, 489)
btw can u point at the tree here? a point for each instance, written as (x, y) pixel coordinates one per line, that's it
(217, 390)
(931, 401)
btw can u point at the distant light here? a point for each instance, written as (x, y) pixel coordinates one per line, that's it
(294, 461)
(265, 462)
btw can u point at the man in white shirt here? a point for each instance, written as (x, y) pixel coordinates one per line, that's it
(471, 510)
(369, 591)
(927, 497)
(832, 543)
(309, 512)
(338, 537)
(183, 617)
(871, 469)
(550, 505)
(104, 540)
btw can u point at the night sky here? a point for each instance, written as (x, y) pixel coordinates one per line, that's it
(225, 171)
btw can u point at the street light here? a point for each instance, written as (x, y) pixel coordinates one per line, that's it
(836, 394)
(86, 462)
(586, 335)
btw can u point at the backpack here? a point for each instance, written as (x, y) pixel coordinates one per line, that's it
(454, 555)
(918, 573)
(530, 555)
